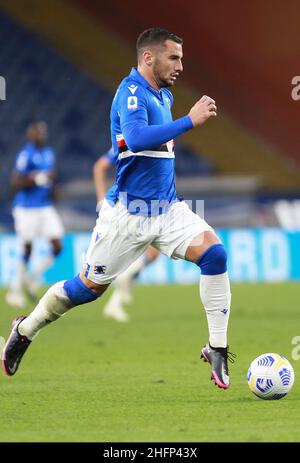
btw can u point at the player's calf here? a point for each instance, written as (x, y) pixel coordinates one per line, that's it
(216, 298)
(215, 293)
(60, 298)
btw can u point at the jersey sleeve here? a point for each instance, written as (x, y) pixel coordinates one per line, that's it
(133, 107)
(138, 134)
(22, 164)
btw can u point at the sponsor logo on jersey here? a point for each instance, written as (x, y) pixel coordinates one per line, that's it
(132, 88)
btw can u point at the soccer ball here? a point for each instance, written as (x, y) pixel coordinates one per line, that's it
(270, 376)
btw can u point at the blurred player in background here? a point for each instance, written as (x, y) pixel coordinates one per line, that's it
(142, 207)
(122, 293)
(33, 212)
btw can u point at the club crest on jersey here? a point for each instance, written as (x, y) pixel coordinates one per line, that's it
(168, 101)
(132, 102)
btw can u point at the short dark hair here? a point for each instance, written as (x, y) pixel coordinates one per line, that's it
(35, 123)
(155, 36)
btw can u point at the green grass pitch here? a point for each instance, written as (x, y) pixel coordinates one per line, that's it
(85, 378)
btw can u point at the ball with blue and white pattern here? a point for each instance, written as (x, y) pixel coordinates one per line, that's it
(270, 376)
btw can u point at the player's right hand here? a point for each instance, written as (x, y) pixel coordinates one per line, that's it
(42, 179)
(203, 110)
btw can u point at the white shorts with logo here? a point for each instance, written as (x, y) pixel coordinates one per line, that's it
(119, 238)
(35, 222)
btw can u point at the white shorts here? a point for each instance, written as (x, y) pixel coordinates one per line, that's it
(35, 222)
(119, 238)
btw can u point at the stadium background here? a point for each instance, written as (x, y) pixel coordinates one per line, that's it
(62, 61)
(62, 64)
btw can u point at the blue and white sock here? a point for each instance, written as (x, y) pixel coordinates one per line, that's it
(215, 293)
(59, 298)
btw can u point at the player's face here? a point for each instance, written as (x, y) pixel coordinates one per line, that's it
(42, 133)
(167, 63)
(37, 133)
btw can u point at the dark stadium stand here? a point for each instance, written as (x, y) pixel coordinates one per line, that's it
(54, 74)
(42, 84)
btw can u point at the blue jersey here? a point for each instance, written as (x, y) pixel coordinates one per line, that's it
(32, 160)
(142, 130)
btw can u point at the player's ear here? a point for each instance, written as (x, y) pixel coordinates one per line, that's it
(148, 57)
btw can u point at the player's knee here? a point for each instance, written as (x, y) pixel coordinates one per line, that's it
(213, 261)
(27, 252)
(78, 292)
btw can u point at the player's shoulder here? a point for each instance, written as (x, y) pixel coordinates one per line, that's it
(130, 86)
(25, 151)
(130, 95)
(23, 158)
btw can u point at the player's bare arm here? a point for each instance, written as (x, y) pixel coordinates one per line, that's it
(20, 181)
(100, 170)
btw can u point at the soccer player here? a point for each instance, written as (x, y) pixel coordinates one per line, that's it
(33, 212)
(142, 207)
(122, 293)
